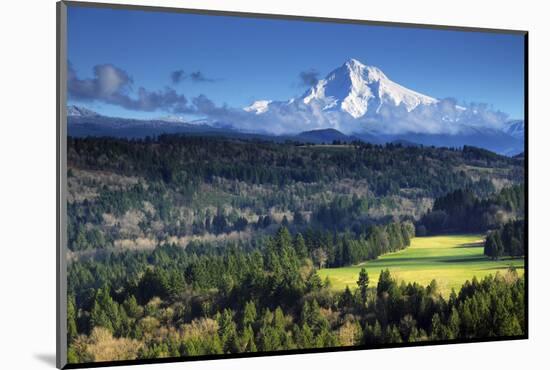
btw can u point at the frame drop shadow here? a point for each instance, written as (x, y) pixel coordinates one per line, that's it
(46, 358)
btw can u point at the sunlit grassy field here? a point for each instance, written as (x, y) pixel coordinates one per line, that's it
(449, 259)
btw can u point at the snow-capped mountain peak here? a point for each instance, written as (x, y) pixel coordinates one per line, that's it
(359, 89)
(358, 69)
(356, 89)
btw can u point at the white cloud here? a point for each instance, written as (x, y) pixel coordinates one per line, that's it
(444, 117)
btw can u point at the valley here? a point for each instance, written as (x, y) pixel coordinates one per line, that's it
(189, 245)
(450, 260)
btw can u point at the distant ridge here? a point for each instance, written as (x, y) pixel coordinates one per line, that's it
(84, 122)
(328, 136)
(77, 111)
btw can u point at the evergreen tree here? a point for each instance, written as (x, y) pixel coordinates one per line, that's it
(107, 313)
(346, 299)
(300, 246)
(228, 331)
(72, 330)
(249, 314)
(385, 282)
(453, 326)
(363, 284)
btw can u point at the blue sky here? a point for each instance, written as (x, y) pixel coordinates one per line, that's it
(245, 59)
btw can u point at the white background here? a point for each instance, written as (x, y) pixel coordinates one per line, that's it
(27, 204)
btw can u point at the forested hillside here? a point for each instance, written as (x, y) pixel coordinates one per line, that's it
(135, 194)
(190, 246)
(177, 302)
(463, 211)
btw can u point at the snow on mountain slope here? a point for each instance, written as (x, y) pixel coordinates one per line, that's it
(258, 107)
(356, 89)
(359, 89)
(515, 128)
(358, 98)
(77, 111)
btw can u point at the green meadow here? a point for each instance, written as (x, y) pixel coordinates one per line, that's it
(449, 259)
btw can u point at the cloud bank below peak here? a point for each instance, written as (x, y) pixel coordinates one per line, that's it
(354, 98)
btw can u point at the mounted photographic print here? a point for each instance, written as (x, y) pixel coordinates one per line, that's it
(234, 184)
